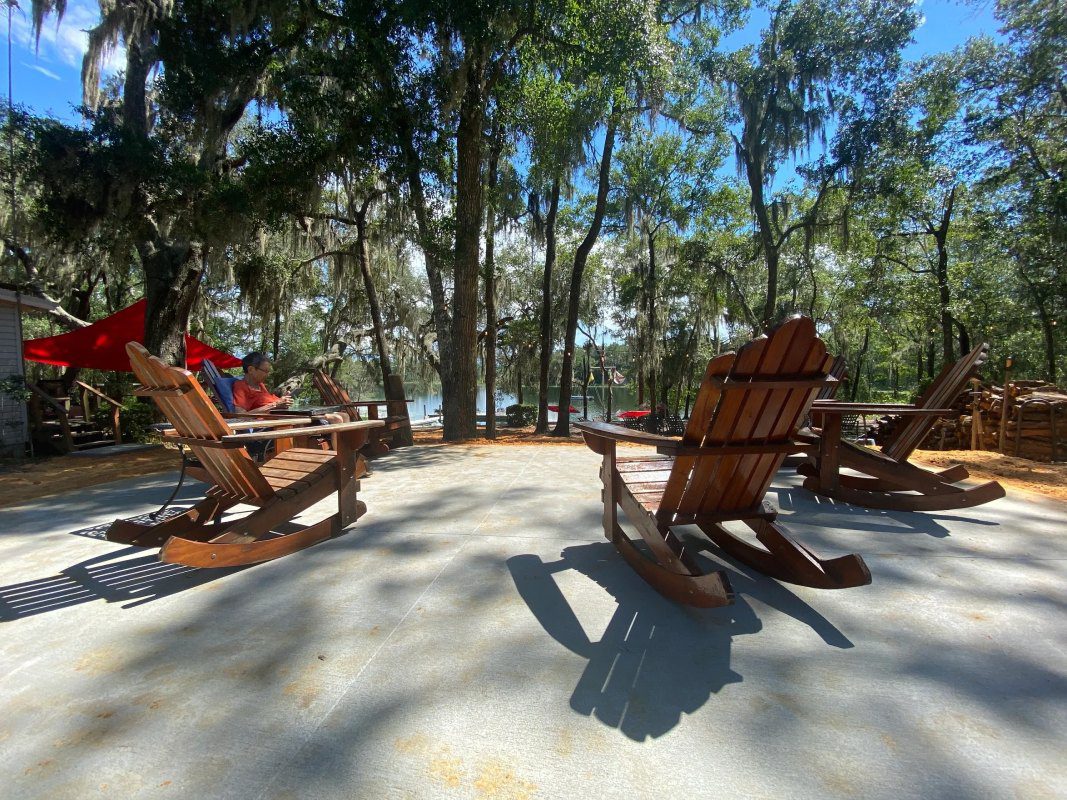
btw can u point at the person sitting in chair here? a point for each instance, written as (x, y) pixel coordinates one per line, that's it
(250, 393)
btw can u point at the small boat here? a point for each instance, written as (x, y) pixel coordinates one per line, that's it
(636, 414)
(572, 409)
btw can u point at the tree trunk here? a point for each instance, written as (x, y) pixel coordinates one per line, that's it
(363, 253)
(964, 336)
(1050, 348)
(432, 251)
(171, 284)
(940, 235)
(650, 307)
(461, 403)
(767, 235)
(490, 284)
(860, 357)
(581, 256)
(134, 87)
(546, 312)
(1048, 323)
(277, 331)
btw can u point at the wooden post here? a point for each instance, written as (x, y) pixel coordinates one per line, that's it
(1005, 405)
(1052, 427)
(611, 494)
(585, 386)
(397, 406)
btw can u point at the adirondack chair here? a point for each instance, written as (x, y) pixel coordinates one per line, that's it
(397, 429)
(221, 385)
(742, 426)
(888, 479)
(281, 488)
(838, 371)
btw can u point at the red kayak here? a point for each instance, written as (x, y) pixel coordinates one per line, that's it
(573, 410)
(633, 414)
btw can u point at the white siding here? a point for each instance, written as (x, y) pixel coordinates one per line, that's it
(13, 426)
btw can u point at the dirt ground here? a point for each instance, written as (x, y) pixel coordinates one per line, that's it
(33, 479)
(61, 474)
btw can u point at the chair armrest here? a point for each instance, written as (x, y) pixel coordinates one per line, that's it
(605, 430)
(669, 446)
(314, 430)
(870, 409)
(237, 425)
(273, 422)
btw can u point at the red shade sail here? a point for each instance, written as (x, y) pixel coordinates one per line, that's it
(102, 345)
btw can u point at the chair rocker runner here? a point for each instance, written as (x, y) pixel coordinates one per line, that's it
(888, 479)
(282, 488)
(742, 426)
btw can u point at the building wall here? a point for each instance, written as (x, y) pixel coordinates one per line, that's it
(13, 423)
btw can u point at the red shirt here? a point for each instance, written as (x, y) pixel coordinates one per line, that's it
(250, 398)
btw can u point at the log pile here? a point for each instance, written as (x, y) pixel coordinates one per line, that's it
(1034, 426)
(1028, 420)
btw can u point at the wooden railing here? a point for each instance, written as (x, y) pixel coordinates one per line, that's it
(91, 398)
(62, 415)
(88, 392)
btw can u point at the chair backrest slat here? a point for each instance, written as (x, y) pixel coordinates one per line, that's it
(944, 391)
(332, 392)
(741, 411)
(194, 416)
(838, 371)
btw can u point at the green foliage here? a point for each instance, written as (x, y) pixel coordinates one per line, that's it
(519, 416)
(939, 203)
(135, 418)
(14, 386)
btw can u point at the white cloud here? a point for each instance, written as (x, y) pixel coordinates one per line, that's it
(46, 72)
(62, 44)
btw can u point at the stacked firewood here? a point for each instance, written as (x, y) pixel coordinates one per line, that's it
(948, 433)
(1034, 427)
(1028, 420)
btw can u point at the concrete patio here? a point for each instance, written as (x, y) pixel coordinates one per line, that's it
(474, 636)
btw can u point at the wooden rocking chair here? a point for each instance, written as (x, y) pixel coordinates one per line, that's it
(281, 488)
(397, 423)
(888, 480)
(742, 426)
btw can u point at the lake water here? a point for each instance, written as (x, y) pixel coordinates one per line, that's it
(622, 398)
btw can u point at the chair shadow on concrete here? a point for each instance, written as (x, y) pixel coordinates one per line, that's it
(847, 516)
(656, 660)
(130, 575)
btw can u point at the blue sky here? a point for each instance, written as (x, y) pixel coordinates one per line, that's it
(48, 78)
